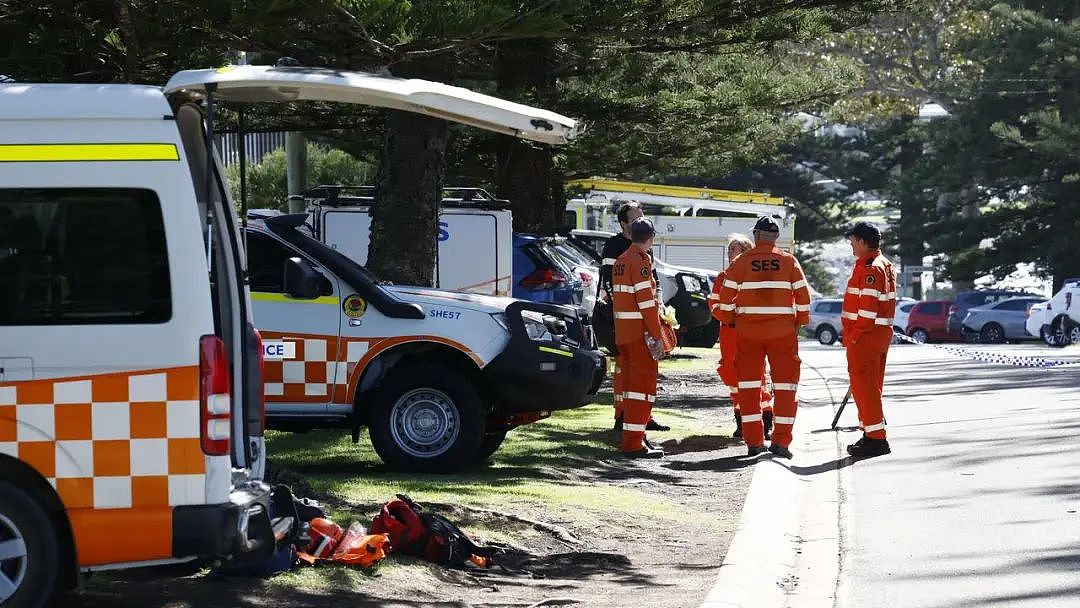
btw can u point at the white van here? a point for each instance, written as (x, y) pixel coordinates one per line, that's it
(130, 387)
(130, 402)
(475, 234)
(438, 377)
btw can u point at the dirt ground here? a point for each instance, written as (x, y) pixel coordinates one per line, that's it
(662, 558)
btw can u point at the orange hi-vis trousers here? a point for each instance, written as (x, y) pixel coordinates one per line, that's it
(618, 380)
(866, 369)
(639, 393)
(783, 354)
(729, 346)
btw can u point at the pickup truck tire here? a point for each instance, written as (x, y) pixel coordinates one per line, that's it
(1063, 331)
(428, 418)
(704, 336)
(491, 444)
(29, 551)
(826, 334)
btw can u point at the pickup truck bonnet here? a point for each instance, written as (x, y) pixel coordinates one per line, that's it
(253, 83)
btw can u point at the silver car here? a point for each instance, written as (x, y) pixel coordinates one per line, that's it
(825, 320)
(1001, 321)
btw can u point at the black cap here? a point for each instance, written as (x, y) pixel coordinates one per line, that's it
(865, 231)
(641, 230)
(766, 223)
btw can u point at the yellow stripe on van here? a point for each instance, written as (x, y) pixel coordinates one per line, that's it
(280, 297)
(71, 153)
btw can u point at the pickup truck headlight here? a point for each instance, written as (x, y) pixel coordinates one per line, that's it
(539, 327)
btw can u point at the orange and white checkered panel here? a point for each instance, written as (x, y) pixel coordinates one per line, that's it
(114, 441)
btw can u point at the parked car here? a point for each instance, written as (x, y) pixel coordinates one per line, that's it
(540, 274)
(1062, 315)
(928, 321)
(1036, 325)
(825, 318)
(999, 322)
(900, 317)
(966, 300)
(583, 267)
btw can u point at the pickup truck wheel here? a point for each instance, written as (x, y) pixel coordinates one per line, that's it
(1063, 332)
(826, 335)
(992, 333)
(491, 444)
(29, 552)
(429, 418)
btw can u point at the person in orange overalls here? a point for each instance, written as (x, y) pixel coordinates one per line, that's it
(737, 245)
(869, 307)
(766, 297)
(637, 336)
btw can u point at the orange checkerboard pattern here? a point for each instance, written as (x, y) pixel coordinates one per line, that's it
(318, 373)
(114, 441)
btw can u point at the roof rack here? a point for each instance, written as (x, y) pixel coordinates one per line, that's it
(356, 196)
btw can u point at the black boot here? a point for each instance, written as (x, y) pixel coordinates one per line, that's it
(653, 425)
(756, 450)
(766, 419)
(645, 452)
(618, 425)
(868, 448)
(780, 451)
(738, 425)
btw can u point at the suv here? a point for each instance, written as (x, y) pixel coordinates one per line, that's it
(1062, 315)
(966, 300)
(927, 321)
(438, 377)
(541, 274)
(825, 318)
(999, 322)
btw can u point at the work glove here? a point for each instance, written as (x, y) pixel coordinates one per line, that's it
(667, 315)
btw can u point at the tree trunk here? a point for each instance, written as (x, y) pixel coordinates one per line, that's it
(405, 218)
(526, 173)
(912, 223)
(131, 41)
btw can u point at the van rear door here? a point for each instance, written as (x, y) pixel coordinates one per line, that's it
(257, 84)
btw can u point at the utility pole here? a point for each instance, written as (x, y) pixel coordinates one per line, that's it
(296, 169)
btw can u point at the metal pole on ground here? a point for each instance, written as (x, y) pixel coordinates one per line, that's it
(296, 169)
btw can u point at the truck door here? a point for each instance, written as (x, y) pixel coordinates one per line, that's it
(300, 378)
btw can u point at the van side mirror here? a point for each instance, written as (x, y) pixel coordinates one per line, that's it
(303, 282)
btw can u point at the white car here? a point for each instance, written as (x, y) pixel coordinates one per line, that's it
(900, 317)
(1037, 326)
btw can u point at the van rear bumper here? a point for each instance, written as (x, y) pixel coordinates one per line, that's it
(239, 526)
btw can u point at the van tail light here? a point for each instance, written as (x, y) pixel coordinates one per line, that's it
(215, 402)
(540, 280)
(262, 382)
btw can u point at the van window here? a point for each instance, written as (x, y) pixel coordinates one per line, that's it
(82, 256)
(266, 263)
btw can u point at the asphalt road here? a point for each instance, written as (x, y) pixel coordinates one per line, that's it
(976, 506)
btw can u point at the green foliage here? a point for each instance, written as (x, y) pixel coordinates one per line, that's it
(266, 180)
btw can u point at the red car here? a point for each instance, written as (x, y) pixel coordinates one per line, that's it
(928, 321)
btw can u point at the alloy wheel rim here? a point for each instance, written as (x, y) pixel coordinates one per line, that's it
(13, 558)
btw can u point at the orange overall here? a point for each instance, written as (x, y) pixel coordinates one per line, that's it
(765, 295)
(728, 347)
(636, 314)
(869, 307)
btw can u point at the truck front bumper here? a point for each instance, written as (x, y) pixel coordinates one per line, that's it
(535, 376)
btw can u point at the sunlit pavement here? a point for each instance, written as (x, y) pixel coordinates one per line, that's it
(977, 506)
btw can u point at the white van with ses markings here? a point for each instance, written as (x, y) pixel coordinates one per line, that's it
(130, 387)
(438, 377)
(475, 237)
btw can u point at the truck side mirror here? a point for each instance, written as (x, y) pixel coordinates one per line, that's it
(304, 282)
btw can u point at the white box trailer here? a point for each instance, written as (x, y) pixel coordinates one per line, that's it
(475, 235)
(693, 225)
